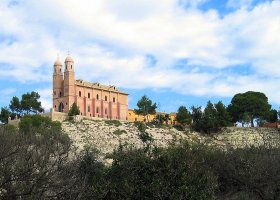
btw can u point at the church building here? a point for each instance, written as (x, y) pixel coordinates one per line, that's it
(93, 99)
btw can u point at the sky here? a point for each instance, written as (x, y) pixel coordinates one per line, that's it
(177, 52)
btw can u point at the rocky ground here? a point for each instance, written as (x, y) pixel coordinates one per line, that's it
(106, 137)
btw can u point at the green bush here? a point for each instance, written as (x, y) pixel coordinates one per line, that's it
(119, 132)
(141, 126)
(74, 110)
(116, 123)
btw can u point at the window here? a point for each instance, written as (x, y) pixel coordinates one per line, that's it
(105, 111)
(60, 94)
(88, 108)
(54, 92)
(88, 95)
(114, 99)
(97, 97)
(105, 98)
(80, 93)
(60, 70)
(55, 106)
(71, 66)
(97, 110)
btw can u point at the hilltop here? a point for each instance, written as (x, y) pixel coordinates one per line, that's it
(106, 136)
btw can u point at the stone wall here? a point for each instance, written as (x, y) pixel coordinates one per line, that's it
(14, 122)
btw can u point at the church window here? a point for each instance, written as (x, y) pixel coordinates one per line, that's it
(97, 96)
(105, 98)
(114, 99)
(88, 108)
(105, 111)
(97, 110)
(80, 93)
(88, 95)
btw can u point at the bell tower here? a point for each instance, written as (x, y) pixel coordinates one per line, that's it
(57, 83)
(69, 83)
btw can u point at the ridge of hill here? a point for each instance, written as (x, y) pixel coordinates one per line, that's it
(105, 136)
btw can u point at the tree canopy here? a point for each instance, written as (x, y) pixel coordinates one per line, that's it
(145, 107)
(183, 116)
(211, 119)
(74, 110)
(29, 104)
(252, 105)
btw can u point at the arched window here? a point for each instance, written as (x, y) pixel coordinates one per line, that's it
(88, 95)
(105, 98)
(61, 107)
(114, 99)
(97, 110)
(88, 108)
(97, 96)
(80, 93)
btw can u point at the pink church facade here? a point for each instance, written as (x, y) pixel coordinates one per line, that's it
(93, 99)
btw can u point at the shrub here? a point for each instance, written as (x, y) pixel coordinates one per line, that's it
(116, 123)
(74, 110)
(119, 132)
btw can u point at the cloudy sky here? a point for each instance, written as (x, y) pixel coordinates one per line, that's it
(178, 52)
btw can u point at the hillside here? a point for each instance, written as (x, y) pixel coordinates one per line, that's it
(106, 136)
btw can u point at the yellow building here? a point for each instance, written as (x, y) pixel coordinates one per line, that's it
(133, 117)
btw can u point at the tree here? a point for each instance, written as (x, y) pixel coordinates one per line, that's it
(74, 110)
(34, 165)
(159, 119)
(15, 106)
(255, 104)
(183, 116)
(211, 119)
(273, 116)
(145, 107)
(30, 104)
(5, 114)
(223, 115)
(166, 118)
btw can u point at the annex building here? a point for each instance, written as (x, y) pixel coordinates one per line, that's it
(93, 99)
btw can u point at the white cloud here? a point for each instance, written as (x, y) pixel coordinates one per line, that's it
(110, 40)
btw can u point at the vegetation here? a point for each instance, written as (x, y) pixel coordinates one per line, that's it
(145, 107)
(183, 116)
(249, 106)
(119, 132)
(116, 123)
(29, 104)
(35, 164)
(212, 119)
(74, 110)
(34, 160)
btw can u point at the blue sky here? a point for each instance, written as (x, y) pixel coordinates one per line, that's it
(177, 52)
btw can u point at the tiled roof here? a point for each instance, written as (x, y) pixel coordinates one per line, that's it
(99, 86)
